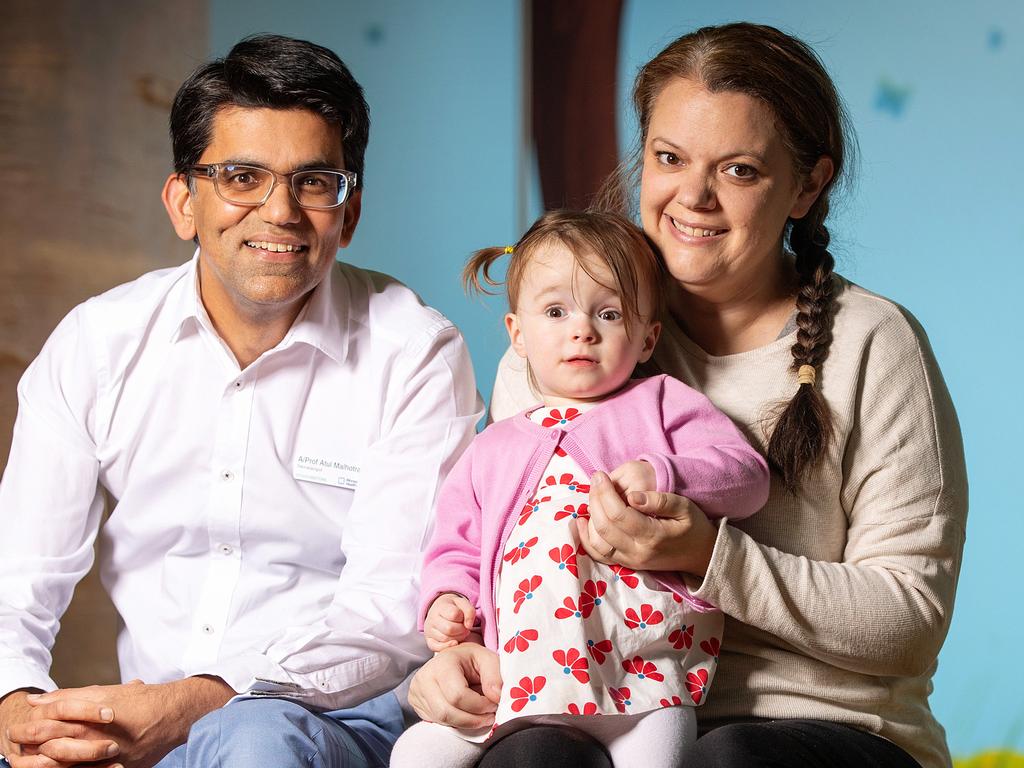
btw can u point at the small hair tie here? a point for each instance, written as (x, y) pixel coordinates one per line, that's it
(509, 249)
(805, 375)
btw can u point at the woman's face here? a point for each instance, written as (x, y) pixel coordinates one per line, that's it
(718, 186)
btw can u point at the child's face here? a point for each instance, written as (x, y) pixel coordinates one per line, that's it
(571, 329)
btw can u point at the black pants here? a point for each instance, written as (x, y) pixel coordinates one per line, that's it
(760, 744)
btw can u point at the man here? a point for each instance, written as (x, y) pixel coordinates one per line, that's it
(273, 427)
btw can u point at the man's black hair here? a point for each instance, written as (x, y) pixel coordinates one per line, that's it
(276, 72)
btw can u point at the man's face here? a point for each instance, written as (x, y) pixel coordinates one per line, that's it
(263, 261)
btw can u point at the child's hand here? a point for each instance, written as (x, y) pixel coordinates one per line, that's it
(449, 621)
(634, 477)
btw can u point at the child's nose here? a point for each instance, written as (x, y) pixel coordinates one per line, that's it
(584, 332)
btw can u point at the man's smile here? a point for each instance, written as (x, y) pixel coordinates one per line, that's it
(275, 247)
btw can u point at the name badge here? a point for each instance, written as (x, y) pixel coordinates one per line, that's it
(315, 469)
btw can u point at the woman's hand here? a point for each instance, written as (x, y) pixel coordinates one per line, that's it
(654, 532)
(459, 687)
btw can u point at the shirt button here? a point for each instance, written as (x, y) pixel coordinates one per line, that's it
(238, 385)
(225, 549)
(227, 475)
(208, 629)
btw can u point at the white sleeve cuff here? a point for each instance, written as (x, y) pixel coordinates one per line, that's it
(16, 674)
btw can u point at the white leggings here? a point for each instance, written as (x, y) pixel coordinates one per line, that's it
(655, 739)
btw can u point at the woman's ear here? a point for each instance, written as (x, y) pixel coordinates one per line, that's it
(515, 334)
(813, 183)
(178, 202)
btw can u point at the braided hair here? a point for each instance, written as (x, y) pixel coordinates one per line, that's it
(785, 74)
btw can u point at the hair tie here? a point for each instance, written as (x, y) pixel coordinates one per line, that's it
(509, 249)
(805, 375)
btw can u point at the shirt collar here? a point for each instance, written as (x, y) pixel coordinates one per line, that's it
(323, 322)
(183, 304)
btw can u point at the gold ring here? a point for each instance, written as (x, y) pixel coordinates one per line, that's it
(608, 555)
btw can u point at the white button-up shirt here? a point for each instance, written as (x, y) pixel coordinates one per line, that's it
(268, 522)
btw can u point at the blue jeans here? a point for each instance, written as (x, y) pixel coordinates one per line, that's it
(280, 733)
(276, 732)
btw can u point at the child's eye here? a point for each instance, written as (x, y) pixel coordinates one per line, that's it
(554, 312)
(610, 315)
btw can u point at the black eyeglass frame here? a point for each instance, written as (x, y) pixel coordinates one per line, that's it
(212, 171)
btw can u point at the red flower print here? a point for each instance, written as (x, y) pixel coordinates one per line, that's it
(525, 592)
(570, 510)
(711, 646)
(531, 506)
(566, 479)
(572, 663)
(678, 598)
(569, 610)
(682, 637)
(565, 556)
(526, 692)
(627, 576)
(591, 597)
(557, 417)
(645, 670)
(599, 649)
(621, 698)
(560, 452)
(590, 708)
(519, 551)
(648, 616)
(521, 640)
(675, 701)
(696, 684)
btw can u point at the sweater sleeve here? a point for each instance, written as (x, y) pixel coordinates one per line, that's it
(709, 462)
(452, 560)
(885, 608)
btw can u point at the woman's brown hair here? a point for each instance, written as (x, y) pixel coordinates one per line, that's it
(784, 73)
(610, 237)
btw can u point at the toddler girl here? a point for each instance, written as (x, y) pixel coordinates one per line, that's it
(621, 655)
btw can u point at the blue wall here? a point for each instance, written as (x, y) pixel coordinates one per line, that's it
(442, 79)
(934, 221)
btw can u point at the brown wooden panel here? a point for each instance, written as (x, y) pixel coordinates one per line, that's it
(85, 89)
(574, 55)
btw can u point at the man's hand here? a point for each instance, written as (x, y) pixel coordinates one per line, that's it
(74, 730)
(449, 621)
(147, 722)
(634, 477)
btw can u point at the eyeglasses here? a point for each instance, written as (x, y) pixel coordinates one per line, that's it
(319, 189)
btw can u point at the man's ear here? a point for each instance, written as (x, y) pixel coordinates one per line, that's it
(178, 202)
(351, 211)
(812, 185)
(515, 334)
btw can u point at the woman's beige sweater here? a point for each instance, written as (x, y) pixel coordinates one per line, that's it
(838, 598)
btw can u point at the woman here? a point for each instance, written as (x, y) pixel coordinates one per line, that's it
(839, 592)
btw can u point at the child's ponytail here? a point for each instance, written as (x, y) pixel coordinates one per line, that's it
(477, 271)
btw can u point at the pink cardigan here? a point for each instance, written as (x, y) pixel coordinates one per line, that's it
(695, 450)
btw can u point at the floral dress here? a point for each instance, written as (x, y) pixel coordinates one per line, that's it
(583, 638)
